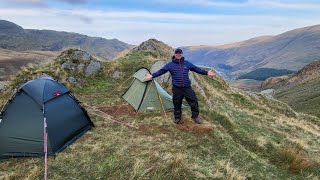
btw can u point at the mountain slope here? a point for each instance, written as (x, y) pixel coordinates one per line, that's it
(291, 50)
(12, 61)
(14, 37)
(245, 136)
(301, 90)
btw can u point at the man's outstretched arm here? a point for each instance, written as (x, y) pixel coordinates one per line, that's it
(201, 71)
(161, 71)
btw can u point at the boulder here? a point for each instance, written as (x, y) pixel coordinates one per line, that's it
(92, 68)
(69, 65)
(82, 55)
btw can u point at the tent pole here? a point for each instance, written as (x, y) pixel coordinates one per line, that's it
(164, 111)
(118, 109)
(45, 144)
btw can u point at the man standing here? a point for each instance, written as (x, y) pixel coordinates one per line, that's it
(181, 85)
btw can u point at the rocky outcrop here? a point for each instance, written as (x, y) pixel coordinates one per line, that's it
(75, 60)
(166, 78)
(82, 55)
(159, 49)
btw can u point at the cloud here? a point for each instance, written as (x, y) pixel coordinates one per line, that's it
(204, 3)
(75, 1)
(38, 3)
(24, 3)
(282, 4)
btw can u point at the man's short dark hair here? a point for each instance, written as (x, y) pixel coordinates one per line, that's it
(178, 51)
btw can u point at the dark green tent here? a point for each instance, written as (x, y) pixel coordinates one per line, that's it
(37, 103)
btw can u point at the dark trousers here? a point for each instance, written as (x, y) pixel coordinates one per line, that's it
(184, 92)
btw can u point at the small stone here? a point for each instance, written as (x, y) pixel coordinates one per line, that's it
(117, 74)
(72, 80)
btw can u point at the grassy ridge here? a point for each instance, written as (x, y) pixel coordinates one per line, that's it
(250, 136)
(303, 97)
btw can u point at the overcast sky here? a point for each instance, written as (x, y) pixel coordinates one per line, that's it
(176, 22)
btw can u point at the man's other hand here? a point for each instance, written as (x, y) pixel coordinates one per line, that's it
(148, 77)
(211, 73)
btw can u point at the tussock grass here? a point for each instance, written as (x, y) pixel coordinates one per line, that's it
(293, 159)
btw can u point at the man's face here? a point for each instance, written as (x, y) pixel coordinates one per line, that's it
(178, 55)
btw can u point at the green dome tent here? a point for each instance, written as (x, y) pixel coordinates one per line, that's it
(40, 109)
(147, 95)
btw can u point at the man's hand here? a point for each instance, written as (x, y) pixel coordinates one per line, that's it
(148, 77)
(211, 73)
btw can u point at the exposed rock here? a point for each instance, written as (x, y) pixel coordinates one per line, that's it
(69, 65)
(93, 68)
(166, 78)
(82, 55)
(81, 67)
(268, 92)
(2, 85)
(117, 74)
(72, 80)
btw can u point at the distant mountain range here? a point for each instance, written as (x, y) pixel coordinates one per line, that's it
(291, 50)
(14, 37)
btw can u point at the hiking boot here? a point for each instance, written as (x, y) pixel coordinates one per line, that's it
(197, 120)
(177, 120)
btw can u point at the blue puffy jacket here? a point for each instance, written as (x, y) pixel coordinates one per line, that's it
(179, 70)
